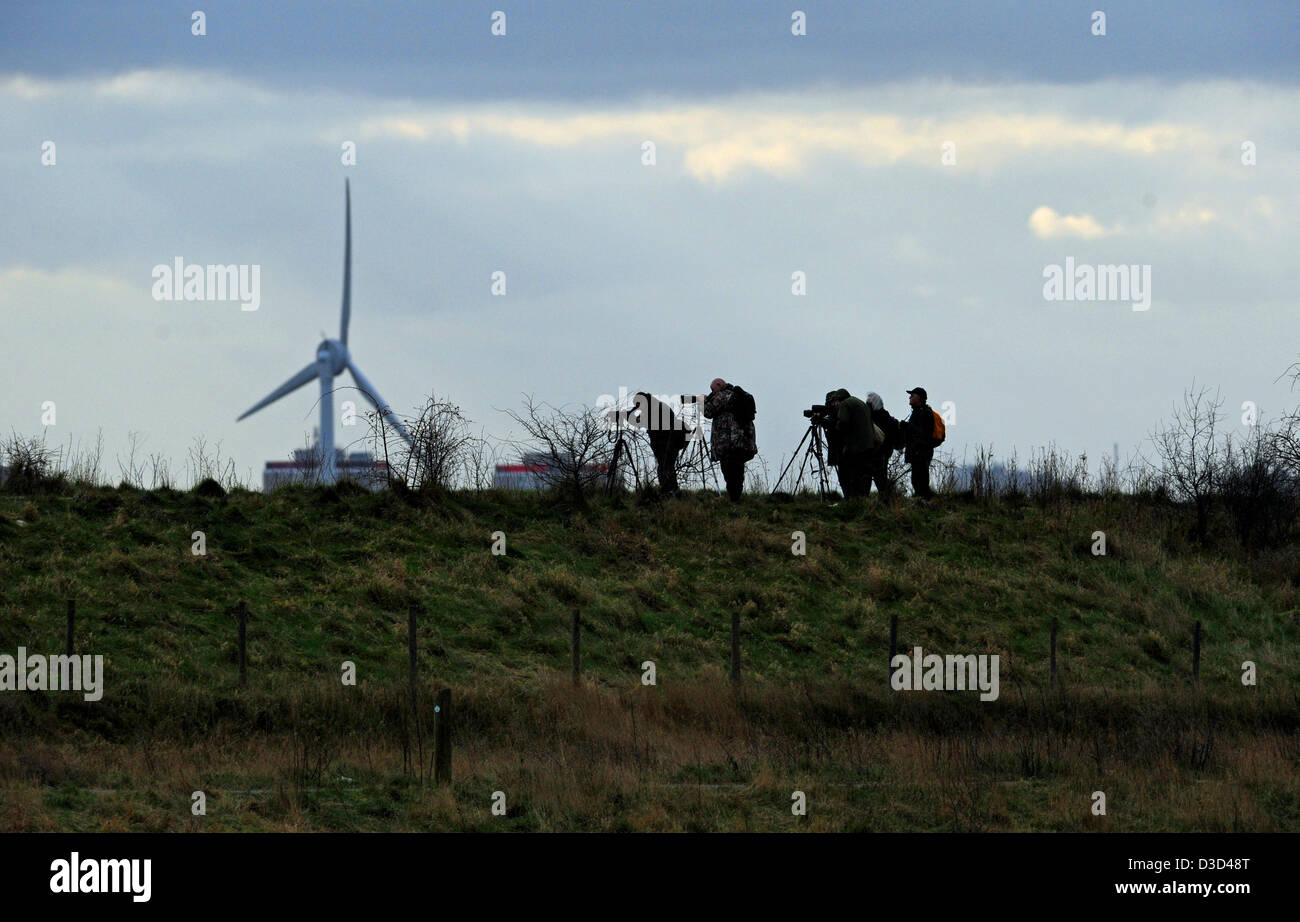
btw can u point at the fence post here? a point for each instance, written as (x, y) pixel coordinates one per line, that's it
(735, 647)
(442, 743)
(577, 646)
(893, 649)
(1196, 655)
(410, 645)
(72, 617)
(241, 613)
(1053, 684)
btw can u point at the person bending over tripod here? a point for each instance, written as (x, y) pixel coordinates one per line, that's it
(667, 437)
(855, 443)
(732, 442)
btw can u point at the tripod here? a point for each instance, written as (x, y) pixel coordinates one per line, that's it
(812, 456)
(697, 458)
(620, 451)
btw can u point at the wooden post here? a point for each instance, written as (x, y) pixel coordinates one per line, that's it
(577, 646)
(893, 649)
(72, 617)
(1196, 655)
(410, 650)
(1053, 685)
(442, 744)
(735, 647)
(241, 613)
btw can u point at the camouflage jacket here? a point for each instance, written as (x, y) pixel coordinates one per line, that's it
(730, 437)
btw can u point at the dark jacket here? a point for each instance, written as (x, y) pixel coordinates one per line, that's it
(890, 427)
(853, 429)
(918, 434)
(662, 425)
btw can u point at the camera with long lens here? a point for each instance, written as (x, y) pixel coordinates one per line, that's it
(820, 415)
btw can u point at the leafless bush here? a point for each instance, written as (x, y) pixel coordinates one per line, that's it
(1052, 476)
(1110, 478)
(981, 480)
(160, 477)
(206, 463)
(896, 471)
(758, 475)
(1012, 478)
(943, 473)
(574, 444)
(441, 446)
(478, 463)
(82, 467)
(131, 473)
(28, 463)
(1191, 455)
(1259, 488)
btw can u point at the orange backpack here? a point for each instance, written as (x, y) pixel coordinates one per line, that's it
(940, 431)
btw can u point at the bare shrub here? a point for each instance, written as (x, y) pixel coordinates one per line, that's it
(944, 473)
(1258, 487)
(574, 445)
(478, 463)
(896, 471)
(982, 483)
(207, 463)
(82, 467)
(28, 463)
(1110, 479)
(1052, 476)
(440, 446)
(131, 472)
(160, 477)
(1191, 455)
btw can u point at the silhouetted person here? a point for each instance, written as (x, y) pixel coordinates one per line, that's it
(854, 444)
(918, 441)
(893, 442)
(667, 437)
(732, 442)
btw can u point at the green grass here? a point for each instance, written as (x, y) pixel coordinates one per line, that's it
(329, 575)
(329, 578)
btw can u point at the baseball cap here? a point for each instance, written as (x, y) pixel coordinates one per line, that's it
(920, 391)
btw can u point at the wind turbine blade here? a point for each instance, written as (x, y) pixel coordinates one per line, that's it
(347, 261)
(309, 373)
(373, 396)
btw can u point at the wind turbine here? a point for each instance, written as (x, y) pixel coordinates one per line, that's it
(332, 357)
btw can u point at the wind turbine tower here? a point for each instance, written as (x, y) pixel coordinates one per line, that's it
(332, 357)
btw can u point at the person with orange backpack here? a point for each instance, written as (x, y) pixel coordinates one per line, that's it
(922, 432)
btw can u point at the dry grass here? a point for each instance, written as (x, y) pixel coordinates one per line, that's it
(693, 756)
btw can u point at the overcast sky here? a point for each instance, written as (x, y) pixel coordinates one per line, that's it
(523, 153)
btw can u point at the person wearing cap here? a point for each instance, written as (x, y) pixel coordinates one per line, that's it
(918, 441)
(855, 443)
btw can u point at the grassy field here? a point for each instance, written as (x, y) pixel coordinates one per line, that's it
(329, 575)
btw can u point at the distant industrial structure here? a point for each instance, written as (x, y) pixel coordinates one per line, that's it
(533, 472)
(307, 467)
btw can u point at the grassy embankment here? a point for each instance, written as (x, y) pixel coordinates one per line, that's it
(329, 577)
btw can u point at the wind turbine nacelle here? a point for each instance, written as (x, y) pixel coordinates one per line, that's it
(333, 352)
